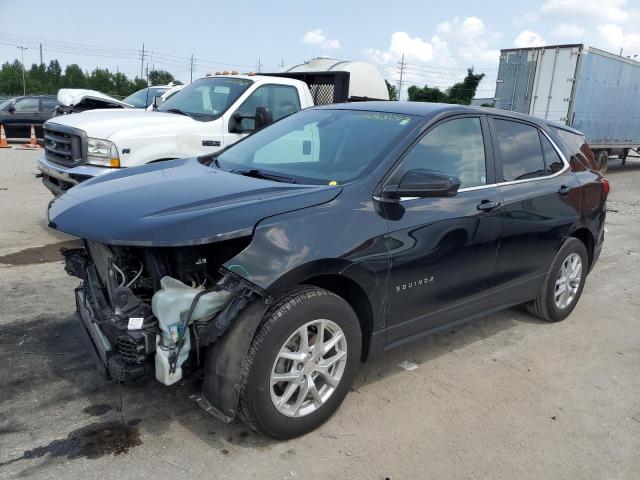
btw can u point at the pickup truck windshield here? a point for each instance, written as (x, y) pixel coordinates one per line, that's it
(318, 146)
(206, 99)
(143, 98)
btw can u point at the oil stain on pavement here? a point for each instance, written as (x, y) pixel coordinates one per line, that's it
(45, 254)
(92, 441)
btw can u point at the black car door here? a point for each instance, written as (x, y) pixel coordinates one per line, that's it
(541, 204)
(443, 251)
(26, 112)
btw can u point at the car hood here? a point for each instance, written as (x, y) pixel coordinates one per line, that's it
(73, 97)
(176, 203)
(105, 123)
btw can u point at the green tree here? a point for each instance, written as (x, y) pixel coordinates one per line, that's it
(54, 73)
(101, 80)
(37, 79)
(49, 79)
(138, 84)
(160, 77)
(393, 91)
(11, 78)
(74, 77)
(121, 85)
(461, 92)
(464, 91)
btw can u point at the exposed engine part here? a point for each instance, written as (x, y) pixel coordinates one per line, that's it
(163, 303)
(176, 306)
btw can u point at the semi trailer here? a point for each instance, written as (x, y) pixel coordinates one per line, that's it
(590, 90)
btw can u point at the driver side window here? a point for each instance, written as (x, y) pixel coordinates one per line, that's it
(27, 105)
(281, 100)
(456, 148)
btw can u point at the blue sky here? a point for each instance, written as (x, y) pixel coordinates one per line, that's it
(439, 39)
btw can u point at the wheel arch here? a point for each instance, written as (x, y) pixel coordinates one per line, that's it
(351, 292)
(586, 237)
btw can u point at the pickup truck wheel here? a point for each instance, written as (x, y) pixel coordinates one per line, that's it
(564, 283)
(301, 363)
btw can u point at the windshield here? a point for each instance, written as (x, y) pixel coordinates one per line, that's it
(206, 99)
(6, 103)
(143, 98)
(318, 146)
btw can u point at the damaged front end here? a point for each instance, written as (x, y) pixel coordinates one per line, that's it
(156, 309)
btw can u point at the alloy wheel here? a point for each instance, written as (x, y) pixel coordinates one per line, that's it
(308, 368)
(568, 281)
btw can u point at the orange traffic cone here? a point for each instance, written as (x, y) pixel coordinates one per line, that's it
(32, 138)
(3, 138)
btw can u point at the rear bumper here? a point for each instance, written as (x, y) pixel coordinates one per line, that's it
(58, 178)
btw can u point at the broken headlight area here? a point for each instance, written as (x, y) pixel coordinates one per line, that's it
(155, 309)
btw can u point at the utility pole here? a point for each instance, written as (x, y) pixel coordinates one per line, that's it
(401, 66)
(282, 63)
(41, 62)
(259, 66)
(24, 84)
(191, 68)
(142, 60)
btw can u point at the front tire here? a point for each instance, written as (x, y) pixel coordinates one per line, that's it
(301, 363)
(563, 284)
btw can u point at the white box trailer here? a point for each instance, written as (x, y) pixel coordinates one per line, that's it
(588, 89)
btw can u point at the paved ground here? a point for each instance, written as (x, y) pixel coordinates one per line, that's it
(507, 397)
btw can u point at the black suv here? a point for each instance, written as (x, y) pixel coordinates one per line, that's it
(279, 264)
(18, 114)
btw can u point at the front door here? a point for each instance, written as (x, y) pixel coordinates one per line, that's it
(443, 251)
(280, 100)
(27, 112)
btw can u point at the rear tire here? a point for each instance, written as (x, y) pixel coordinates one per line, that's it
(563, 285)
(318, 382)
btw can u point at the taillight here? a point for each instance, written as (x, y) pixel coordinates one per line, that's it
(605, 186)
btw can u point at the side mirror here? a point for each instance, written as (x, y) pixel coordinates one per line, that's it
(11, 109)
(157, 101)
(263, 117)
(423, 184)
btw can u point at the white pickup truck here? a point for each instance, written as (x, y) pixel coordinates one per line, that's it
(204, 117)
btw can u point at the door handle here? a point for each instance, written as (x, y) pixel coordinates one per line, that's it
(564, 189)
(487, 205)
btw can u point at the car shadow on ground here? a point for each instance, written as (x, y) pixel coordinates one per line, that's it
(51, 363)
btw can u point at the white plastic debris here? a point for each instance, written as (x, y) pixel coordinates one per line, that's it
(408, 366)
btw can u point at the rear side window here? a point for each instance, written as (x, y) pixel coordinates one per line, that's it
(520, 150)
(551, 158)
(573, 140)
(48, 104)
(577, 144)
(455, 147)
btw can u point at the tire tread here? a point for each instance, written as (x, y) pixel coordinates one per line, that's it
(270, 321)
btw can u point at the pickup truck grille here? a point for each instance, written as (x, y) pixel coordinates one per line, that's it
(64, 145)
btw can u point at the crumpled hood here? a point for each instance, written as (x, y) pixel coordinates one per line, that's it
(71, 97)
(175, 203)
(105, 123)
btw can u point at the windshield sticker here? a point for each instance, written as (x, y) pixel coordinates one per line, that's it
(390, 117)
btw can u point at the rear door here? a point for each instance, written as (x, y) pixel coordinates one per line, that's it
(443, 250)
(541, 204)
